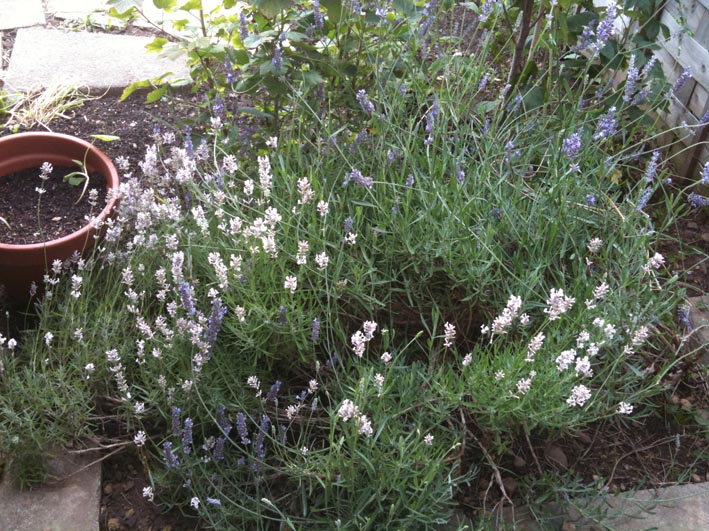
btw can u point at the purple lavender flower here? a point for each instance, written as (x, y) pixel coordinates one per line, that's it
(185, 291)
(364, 102)
(570, 146)
(187, 436)
(644, 199)
(631, 80)
(511, 152)
(361, 137)
(697, 201)
(460, 173)
(318, 20)
(315, 335)
(487, 9)
(222, 420)
(641, 96)
(409, 180)
(590, 200)
(259, 443)
(176, 424)
(432, 115)
(282, 319)
(277, 60)
(272, 394)
(427, 17)
(356, 7)
(229, 74)
(218, 108)
(683, 316)
(607, 127)
(356, 176)
(606, 27)
(651, 170)
(681, 80)
(214, 323)
(349, 222)
(704, 177)
(483, 82)
(333, 360)
(243, 26)
(649, 66)
(586, 38)
(189, 146)
(242, 429)
(171, 460)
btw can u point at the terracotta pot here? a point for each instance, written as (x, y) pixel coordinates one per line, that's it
(20, 265)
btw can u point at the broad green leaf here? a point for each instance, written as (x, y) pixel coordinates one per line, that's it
(252, 41)
(296, 36)
(156, 45)
(191, 5)
(155, 95)
(334, 10)
(167, 5)
(270, 8)
(106, 138)
(130, 89)
(181, 24)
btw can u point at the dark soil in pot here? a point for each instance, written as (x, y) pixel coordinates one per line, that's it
(34, 217)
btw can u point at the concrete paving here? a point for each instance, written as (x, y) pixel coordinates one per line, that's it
(678, 508)
(99, 61)
(699, 319)
(20, 13)
(69, 502)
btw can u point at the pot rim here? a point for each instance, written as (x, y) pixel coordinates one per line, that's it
(112, 182)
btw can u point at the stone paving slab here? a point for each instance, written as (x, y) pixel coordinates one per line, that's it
(678, 508)
(21, 13)
(699, 318)
(47, 57)
(67, 504)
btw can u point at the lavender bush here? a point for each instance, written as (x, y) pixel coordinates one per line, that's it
(311, 334)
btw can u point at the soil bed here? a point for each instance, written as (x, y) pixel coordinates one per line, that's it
(34, 217)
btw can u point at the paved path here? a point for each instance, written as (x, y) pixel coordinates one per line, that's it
(43, 57)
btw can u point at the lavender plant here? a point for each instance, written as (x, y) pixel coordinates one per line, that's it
(310, 334)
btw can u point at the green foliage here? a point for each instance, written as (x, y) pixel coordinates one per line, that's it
(278, 49)
(315, 330)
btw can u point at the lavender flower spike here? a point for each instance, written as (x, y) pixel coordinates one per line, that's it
(171, 460)
(704, 178)
(681, 80)
(697, 201)
(214, 323)
(364, 102)
(608, 126)
(187, 436)
(651, 170)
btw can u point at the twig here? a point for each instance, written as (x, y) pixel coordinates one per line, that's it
(495, 469)
(100, 447)
(534, 454)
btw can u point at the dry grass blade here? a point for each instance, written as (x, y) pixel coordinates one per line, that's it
(42, 105)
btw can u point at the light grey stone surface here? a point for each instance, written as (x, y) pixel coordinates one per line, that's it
(678, 508)
(46, 57)
(69, 503)
(20, 13)
(699, 318)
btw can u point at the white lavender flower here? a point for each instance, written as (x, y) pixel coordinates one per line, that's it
(580, 394)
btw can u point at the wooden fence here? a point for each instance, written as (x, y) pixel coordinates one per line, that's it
(687, 48)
